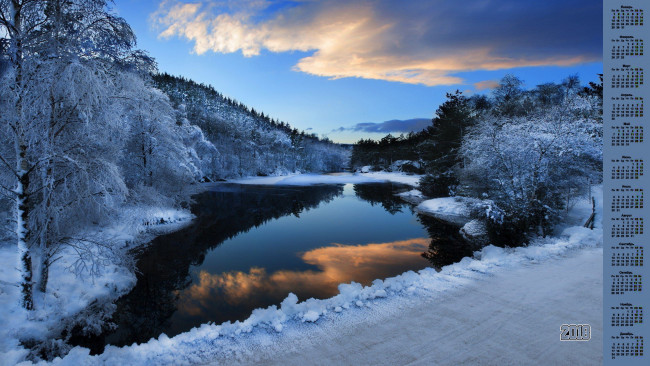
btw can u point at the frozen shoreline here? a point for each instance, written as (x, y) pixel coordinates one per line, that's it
(336, 178)
(293, 324)
(70, 298)
(296, 324)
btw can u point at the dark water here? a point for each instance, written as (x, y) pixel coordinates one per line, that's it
(252, 245)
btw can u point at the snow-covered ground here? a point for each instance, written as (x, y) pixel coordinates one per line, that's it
(411, 193)
(453, 209)
(338, 178)
(503, 306)
(102, 279)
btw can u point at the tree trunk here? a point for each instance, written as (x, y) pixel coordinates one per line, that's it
(23, 232)
(22, 208)
(45, 274)
(47, 182)
(26, 278)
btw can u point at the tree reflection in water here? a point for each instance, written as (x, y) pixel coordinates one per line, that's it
(382, 194)
(164, 265)
(447, 245)
(165, 286)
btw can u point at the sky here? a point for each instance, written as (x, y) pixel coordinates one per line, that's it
(362, 69)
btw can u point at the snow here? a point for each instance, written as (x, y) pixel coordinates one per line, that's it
(453, 209)
(337, 178)
(413, 196)
(153, 221)
(486, 288)
(396, 177)
(474, 230)
(411, 193)
(70, 295)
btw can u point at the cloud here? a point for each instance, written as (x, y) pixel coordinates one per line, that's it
(395, 125)
(336, 264)
(486, 84)
(415, 42)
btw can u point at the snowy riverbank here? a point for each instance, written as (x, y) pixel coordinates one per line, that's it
(336, 178)
(83, 284)
(431, 304)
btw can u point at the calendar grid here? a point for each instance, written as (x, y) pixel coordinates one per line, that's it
(627, 77)
(626, 168)
(627, 255)
(627, 345)
(626, 17)
(627, 46)
(626, 135)
(626, 315)
(627, 106)
(626, 198)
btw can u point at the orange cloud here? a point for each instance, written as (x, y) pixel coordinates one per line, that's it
(337, 264)
(486, 84)
(409, 42)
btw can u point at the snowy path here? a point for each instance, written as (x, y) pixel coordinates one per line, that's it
(511, 318)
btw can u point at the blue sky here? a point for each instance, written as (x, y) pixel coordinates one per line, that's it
(336, 67)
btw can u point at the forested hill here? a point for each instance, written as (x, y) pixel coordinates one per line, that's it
(248, 142)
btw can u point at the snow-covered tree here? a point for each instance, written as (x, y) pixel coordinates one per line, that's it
(530, 164)
(62, 122)
(156, 163)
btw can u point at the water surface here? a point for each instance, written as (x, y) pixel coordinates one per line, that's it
(250, 246)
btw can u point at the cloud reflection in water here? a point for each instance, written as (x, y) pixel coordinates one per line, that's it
(337, 264)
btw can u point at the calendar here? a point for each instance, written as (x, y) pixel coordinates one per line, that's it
(626, 282)
(627, 345)
(626, 17)
(626, 198)
(626, 77)
(627, 106)
(627, 226)
(627, 168)
(627, 47)
(626, 134)
(627, 255)
(626, 315)
(625, 149)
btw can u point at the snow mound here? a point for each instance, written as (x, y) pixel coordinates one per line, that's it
(457, 210)
(411, 193)
(475, 231)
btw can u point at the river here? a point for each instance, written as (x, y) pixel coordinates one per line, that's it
(250, 246)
